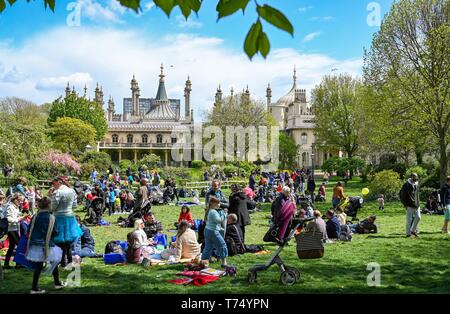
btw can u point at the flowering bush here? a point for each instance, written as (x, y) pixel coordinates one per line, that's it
(62, 160)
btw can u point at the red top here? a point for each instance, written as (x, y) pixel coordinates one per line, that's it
(187, 217)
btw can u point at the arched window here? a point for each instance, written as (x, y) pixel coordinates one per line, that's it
(130, 138)
(304, 138)
(174, 140)
(145, 138)
(159, 138)
(115, 138)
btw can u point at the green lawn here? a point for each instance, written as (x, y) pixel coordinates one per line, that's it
(408, 265)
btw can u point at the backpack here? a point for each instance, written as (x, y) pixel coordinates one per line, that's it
(113, 247)
(346, 234)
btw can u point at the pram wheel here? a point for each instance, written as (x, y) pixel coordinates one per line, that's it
(296, 272)
(251, 277)
(288, 277)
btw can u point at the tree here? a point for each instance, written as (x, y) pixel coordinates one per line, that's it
(256, 39)
(81, 108)
(151, 161)
(339, 118)
(94, 160)
(23, 133)
(72, 135)
(240, 111)
(288, 152)
(410, 55)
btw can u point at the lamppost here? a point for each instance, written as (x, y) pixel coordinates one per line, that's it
(88, 148)
(312, 164)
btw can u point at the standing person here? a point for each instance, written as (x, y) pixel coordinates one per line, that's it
(93, 176)
(41, 247)
(142, 195)
(239, 207)
(14, 218)
(216, 192)
(311, 186)
(338, 194)
(380, 201)
(112, 200)
(445, 200)
(252, 181)
(283, 209)
(32, 199)
(409, 196)
(206, 176)
(63, 201)
(216, 222)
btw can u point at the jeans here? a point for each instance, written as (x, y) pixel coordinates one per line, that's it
(84, 252)
(214, 240)
(353, 227)
(412, 222)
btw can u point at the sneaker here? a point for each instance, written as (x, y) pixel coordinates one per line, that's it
(414, 233)
(408, 236)
(61, 285)
(37, 291)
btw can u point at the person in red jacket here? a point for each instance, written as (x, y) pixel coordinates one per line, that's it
(185, 214)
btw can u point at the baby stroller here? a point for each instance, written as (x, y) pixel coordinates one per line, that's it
(289, 274)
(137, 213)
(352, 205)
(157, 196)
(168, 194)
(95, 211)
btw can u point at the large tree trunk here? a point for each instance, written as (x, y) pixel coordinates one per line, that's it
(443, 160)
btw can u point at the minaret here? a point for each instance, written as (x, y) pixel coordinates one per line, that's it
(111, 109)
(98, 95)
(295, 77)
(268, 96)
(247, 95)
(187, 100)
(218, 97)
(67, 89)
(85, 91)
(192, 115)
(232, 93)
(135, 93)
(73, 90)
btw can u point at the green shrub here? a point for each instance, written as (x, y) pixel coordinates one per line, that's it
(198, 164)
(125, 163)
(424, 193)
(230, 169)
(93, 159)
(421, 172)
(386, 182)
(150, 161)
(178, 174)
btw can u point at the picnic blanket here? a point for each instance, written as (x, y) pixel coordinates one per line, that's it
(156, 259)
(197, 278)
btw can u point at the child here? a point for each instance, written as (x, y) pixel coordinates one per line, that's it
(185, 215)
(41, 247)
(341, 215)
(381, 202)
(117, 203)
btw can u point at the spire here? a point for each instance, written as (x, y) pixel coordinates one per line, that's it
(268, 95)
(85, 91)
(187, 99)
(218, 96)
(67, 89)
(161, 94)
(232, 92)
(295, 77)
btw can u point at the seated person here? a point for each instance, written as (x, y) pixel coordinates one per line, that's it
(309, 211)
(233, 236)
(366, 226)
(185, 214)
(186, 245)
(151, 225)
(333, 225)
(84, 246)
(317, 224)
(139, 246)
(341, 215)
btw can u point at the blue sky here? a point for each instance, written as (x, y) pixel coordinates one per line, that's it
(39, 51)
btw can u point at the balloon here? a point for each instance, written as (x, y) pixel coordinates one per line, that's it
(365, 191)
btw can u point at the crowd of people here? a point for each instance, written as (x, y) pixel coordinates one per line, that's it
(56, 235)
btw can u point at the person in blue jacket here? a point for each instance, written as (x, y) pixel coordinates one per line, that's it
(85, 245)
(333, 225)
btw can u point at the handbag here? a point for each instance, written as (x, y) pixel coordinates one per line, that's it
(310, 244)
(271, 234)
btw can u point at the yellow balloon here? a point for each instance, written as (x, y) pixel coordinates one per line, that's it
(365, 191)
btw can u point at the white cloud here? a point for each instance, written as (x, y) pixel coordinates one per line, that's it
(60, 82)
(311, 36)
(304, 9)
(14, 75)
(112, 56)
(189, 23)
(322, 18)
(148, 7)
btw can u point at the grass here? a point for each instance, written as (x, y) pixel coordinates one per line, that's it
(408, 265)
